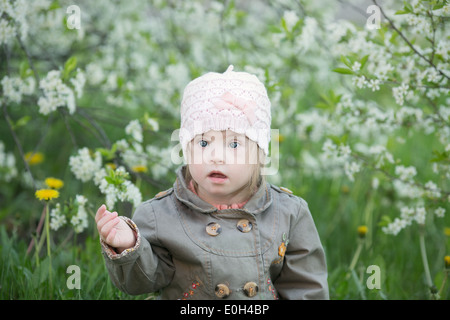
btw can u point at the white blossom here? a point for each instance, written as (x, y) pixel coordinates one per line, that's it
(359, 81)
(305, 41)
(374, 84)
(356, 66)
(84, 166)
(405, 173)
(14, 88)
(79, 221)
(56, 94)
(134, 129)
(439, 212)
(400, 92)
(78, 83)
(57, 218)
(407, 216)
(8, 169)
(7, 32)
(126, 191)
(432, 190)
(291, 19)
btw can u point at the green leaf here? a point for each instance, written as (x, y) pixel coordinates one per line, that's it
(69, 66)
(109, 180)
(407, 6)
(108, 154)
(22, 121)
(54, 5)
(274, 29)
(24, 70)
(440, 156)
(338, 140)
(322, 105)
(438, 6)
(343, 71)
(385, 220)
(284, 25)
(364, 60)
(346, 61)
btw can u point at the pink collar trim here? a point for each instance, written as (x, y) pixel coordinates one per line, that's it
(220, 206)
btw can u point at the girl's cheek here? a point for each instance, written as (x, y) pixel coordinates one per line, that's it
(236, 156)
(195, 156)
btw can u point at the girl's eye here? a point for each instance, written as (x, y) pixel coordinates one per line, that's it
(203, 143)
(234, 144)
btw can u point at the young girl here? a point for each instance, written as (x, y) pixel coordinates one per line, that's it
(222, 231)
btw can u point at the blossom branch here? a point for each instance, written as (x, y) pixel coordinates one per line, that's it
(30, 61)
(360, 157)
(408, 42)
(102, 135)
(18, 144)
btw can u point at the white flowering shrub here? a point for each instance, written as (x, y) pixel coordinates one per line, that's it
(363, 112)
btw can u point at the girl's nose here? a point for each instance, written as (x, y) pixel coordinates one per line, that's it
(217, 155)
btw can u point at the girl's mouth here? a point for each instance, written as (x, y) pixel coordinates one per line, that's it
(217, 177)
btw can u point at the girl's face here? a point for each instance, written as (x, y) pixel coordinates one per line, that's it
(222, 163)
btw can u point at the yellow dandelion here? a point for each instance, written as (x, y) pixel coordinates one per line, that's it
(54, 183)
(362, 230)
(111, 165)
(280, 138)
(447, 231)
(447, 261)
(46, 194)
(34, 158)
(139, 168)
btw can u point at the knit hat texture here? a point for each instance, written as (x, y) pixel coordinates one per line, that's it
(235, 101)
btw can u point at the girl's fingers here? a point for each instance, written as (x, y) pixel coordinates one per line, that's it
(108, 227)
(107, 216)
(111, 236)
(100, 213)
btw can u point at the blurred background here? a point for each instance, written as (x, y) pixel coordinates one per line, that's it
(90, 96)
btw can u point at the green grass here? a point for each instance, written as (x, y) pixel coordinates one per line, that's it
(339, 208)
(24, 277)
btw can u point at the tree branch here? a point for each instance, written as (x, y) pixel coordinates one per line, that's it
(17, 142)
(408, 42)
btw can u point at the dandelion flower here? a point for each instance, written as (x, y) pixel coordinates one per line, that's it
(280, 138)
(139, 168)
(111, 165)
(447, 231)
(362, 231)
(447, 261)
(54, 183)
(46, 194)
(34, 158)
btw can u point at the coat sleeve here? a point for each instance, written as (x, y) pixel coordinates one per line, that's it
(304, 272)
(145, 268)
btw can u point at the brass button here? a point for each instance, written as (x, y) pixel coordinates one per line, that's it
(251, 289)
(244, 225)
(213, 229)
(222, 291)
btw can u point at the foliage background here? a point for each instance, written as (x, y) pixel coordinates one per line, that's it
(363, 117)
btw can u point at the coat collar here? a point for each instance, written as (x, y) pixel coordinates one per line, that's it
(259, 202)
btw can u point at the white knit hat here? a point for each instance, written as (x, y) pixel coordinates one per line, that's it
(235, 101)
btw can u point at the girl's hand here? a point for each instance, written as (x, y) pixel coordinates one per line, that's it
(113, 230)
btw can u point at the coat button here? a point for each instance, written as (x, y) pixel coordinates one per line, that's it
(251, 289)
(244, 225)
(213, 229)
(222, 291)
